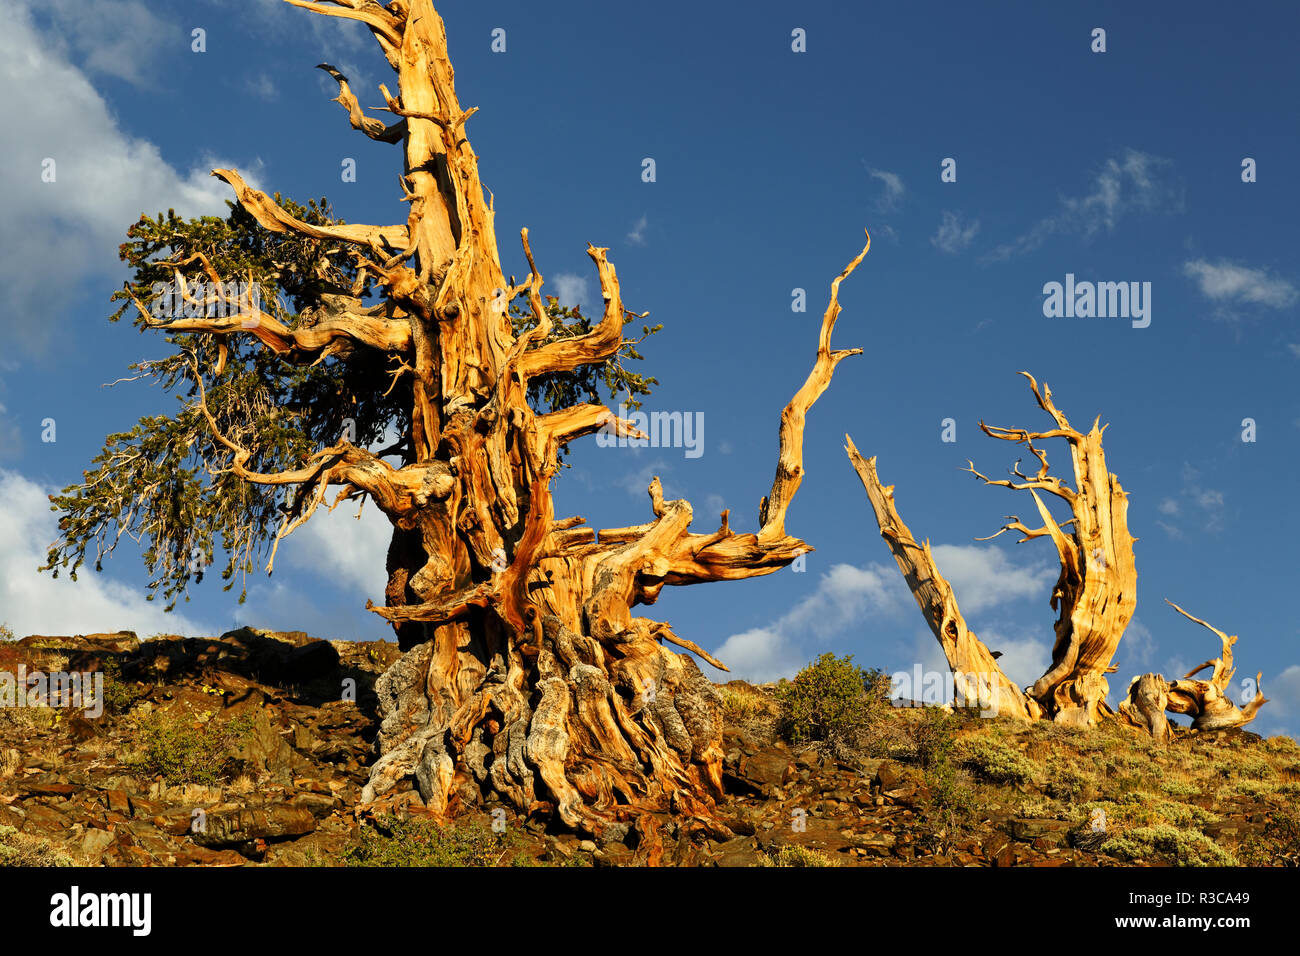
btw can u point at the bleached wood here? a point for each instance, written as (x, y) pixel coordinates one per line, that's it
(525, 673)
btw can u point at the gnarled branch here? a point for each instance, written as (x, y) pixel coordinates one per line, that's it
(375, 129)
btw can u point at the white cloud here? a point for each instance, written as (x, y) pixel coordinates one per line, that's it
(117, 38)
(1225, 282)
(570, 289)
(846, 596)
(347, 555)
(1295, 349)
(892, 197)
(637, 235)
(1124, 185)
(759, 655)
(347, 552)
(35, 603)
(1283, 693)
(1137, 646)
(1023, 660)
(984, 577)
(953, 235)
(637, 482)
(58, 234)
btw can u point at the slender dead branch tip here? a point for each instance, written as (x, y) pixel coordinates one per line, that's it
(1227, 641)
(665, 632)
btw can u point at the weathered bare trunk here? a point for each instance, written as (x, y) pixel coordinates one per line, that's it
(1094, 596)
(977, 677)
(1096, 591)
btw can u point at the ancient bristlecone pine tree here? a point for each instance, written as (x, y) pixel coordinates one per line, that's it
(525, 673)
(1094, 596)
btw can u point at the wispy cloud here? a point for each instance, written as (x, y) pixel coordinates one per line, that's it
(340, 41)
(637, 235)
(1230, 283)
(1195, 502)
(117, 38)
(891, 198)
(262, 87)
(953, 235)
(1125, 184)
(636, 482)
(1138, 645)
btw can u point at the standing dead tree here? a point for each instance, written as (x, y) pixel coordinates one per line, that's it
(1094, 595)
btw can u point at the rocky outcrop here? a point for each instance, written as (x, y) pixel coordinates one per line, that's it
(255, 748)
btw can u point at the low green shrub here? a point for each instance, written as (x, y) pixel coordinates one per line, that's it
(1186, 847)
(995, 761)
(390, 841)
(183, 751)
(832, 700)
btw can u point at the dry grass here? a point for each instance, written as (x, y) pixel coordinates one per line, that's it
(19, 849)
(793, 855)
(751, 710)
(10, 762)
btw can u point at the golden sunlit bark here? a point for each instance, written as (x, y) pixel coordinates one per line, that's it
(1094, 596)
(525, 676)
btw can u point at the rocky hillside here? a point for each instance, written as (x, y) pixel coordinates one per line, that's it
(252, 748)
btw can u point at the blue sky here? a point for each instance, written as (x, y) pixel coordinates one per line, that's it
(1122, 166)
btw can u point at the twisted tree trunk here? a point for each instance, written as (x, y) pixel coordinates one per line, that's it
(1205, 701)
(525, 674)
(1096, 592)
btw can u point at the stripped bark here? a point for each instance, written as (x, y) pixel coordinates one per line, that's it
(1205, 701)
(1094, 596)
(978, 679)
(525, 674)
(1096, 591)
